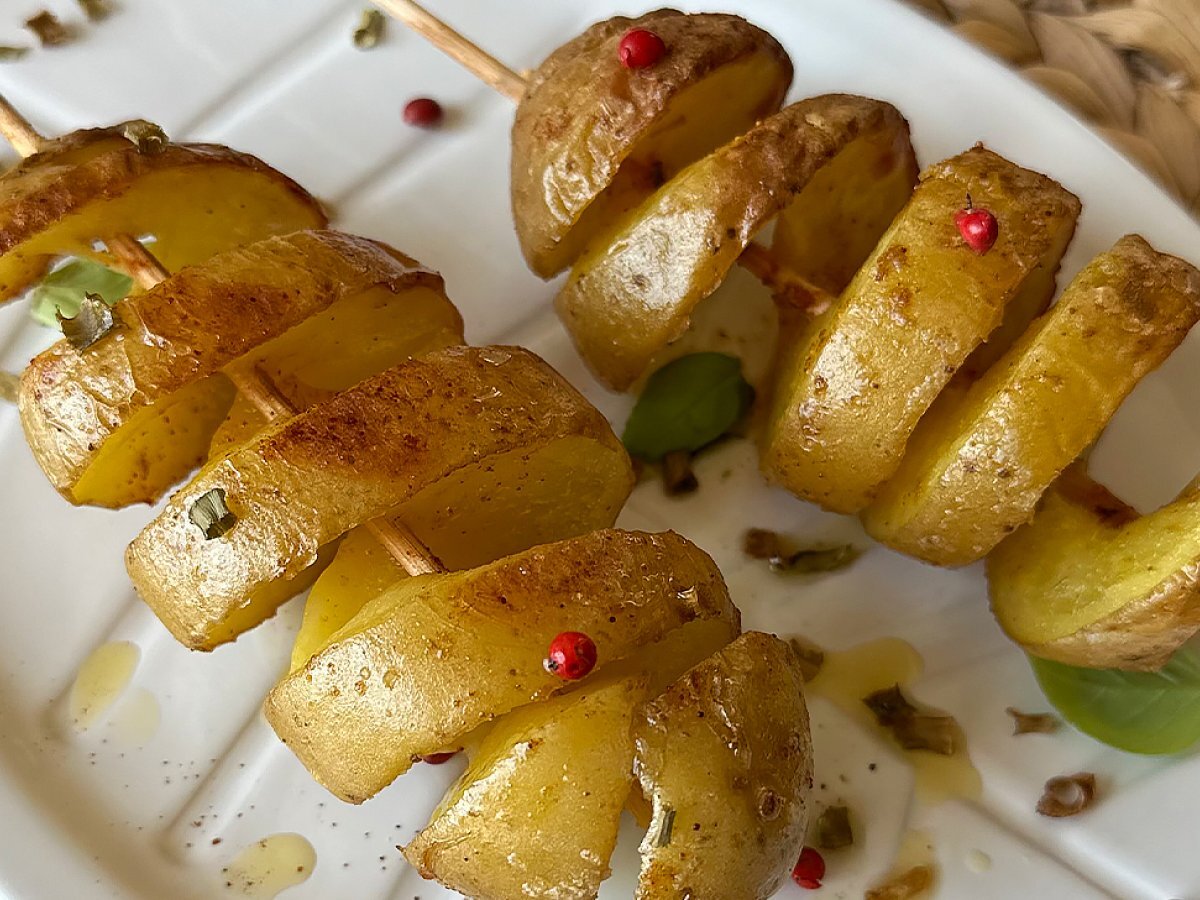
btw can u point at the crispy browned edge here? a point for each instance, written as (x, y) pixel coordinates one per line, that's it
(39, 192)
(552, 124)
(185, 329)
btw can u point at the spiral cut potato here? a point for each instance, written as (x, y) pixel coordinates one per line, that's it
(471, 447)
(592, 139)
(193, 199)
(446, 653)
(314, 311)
(837, 166)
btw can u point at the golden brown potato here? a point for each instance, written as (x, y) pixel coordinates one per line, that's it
(1090, 583)
(592, 139)
(726, 760)
(634, 289)
(976, 466)
(434, 657)
(124, 419)
(195, 199)
(853, 386)
(415, 442)
(536, 812)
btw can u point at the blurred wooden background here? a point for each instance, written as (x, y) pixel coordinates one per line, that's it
(1131, 67)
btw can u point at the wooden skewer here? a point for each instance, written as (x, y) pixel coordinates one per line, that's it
(786, 287)
(404, 546)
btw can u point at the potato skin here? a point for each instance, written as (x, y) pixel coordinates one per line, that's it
(60, 199)
(727, 749)
(974, 472)
(628, 298)
(185, 330)
(305, 482)
(444, 654)
(853, 387)
(1091, 583)
(583, 114)
(537, 811)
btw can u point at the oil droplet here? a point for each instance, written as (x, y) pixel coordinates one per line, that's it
(137, 719)
(102, 678)
(266, 868)
(977, 861)
(848, 676)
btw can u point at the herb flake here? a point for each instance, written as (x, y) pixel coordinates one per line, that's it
(210, 514)
(48, 29)
(833, 828)
(12, 54)
(146, 136)
(686, 405)
(1067, 795)
(678, 475)
(92, 322)
(759, 543)
(810, 655)
(62, 291)
(1033, 723)
(889, 706)
(913, 729)
(96, 10)
(663, 838)
(370, 29)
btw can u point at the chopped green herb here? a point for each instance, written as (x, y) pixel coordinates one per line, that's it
(833, 829)
(922, 732)
(370, 29)
(96, 10)
(146, 136)
(8, 386)
(11, 54)
(889, 705)
(663, 838)
(93, 321)
(759, 543)
(810, 655)
(48, 29)
(210, 514)
(1067, 795)
(687, 404)
(678, 475)
(1033, 723)
(1141, 712)
(62, 291)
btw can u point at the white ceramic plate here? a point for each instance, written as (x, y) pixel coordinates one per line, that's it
(92, 816)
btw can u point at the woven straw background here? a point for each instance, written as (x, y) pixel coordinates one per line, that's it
(1130, 67)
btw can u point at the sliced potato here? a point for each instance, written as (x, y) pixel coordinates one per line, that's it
(634, 289)
(851, 390)
(1090, 583)
(976, 467)
(415, 442)
(124, 419)
(434, 657)
(726, 760)
(536, 812)
(195, 199)
(592, 139)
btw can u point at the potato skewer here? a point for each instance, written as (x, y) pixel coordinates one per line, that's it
(140, 264)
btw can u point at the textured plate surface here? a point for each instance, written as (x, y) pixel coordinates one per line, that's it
(95, 816)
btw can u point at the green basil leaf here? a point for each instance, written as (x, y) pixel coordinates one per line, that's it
(1142, 712)
(687, 404)
(63, 290)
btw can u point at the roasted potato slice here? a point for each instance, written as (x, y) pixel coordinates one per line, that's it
(537, 810)
(195, 199)
(853, 387)
(726, 760)
(1091, 583)
(976, 467)
(434, 657)
(421, 442)
(634, 289)
(592, 138)
(124, 419)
